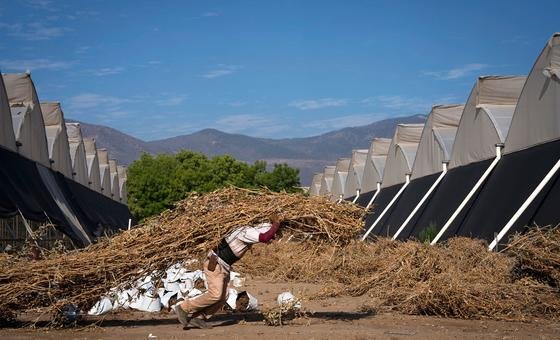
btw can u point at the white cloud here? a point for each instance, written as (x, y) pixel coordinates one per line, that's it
(399, 102)
(237, 103)
(82, 49)
(253, 125)
(82, 14)
(40, 4)
(211, 14)
(33, 31)
(87, 101)
(221, 70)
(456, 73)
(516, 40)
(171, 100)
(343, 121)
(106, 71)
(314, 104)
(115, 114)
(33, 65)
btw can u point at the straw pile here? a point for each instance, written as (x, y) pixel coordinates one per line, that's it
(459, 279)
(538, 255)
(186, 232)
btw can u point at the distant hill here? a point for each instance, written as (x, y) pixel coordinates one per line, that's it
(125, 148)
(309, 154)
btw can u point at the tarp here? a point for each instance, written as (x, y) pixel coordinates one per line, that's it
(434, 149)
(57, 138)
(446, 198)
(437, 140)
(395, 216)
(532, 147)
(7, 137)
(115, 186)
(99, 209)
(77, 153)
(536, 119)
(355, 172)
(400, 159)
(27, 119)
(375, 164)
(316, 184)
(92, 161)
(513, 180)
(382, 200)
(123, 178)
(104, 172)
(339, 178)
(326, 181)
(483, 124)
(400, 156)
(364, 198)
(487, 115)
(373, 169)
(63, 204)
(23, 188)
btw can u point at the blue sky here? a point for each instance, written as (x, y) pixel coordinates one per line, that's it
(264, 68)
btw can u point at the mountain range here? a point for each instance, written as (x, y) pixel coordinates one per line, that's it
(309, 154)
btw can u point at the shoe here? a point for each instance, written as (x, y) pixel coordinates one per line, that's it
(182, 315)
(199, 323)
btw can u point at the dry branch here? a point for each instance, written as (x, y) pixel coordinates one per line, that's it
(195, 225)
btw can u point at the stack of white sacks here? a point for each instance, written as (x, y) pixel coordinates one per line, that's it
(178, 284)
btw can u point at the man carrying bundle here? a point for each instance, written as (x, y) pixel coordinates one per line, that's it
(194, 311)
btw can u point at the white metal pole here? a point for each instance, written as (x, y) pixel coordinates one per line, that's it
(374, 195)
(129, 223)
(417, 207)
(470, 194)
(525, 205)
(357, 195)
(407, 181)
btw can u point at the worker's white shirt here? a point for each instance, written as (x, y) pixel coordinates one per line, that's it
(241, 239)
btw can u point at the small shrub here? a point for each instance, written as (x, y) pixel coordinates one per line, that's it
(429, 233)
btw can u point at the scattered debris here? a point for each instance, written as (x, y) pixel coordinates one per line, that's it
(289, 309)
(287, 298)
(195, 225)
(459, 279)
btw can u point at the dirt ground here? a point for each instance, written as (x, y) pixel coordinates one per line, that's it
(333, 318)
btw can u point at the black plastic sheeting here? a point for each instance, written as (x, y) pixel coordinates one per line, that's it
(22, 190)
(381, 201)
(413, 193)
(447, 197)
(350, 199)
(96, 208)
(364, 198)
(512, 181)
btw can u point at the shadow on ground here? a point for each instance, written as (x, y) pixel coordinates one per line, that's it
(216, 321)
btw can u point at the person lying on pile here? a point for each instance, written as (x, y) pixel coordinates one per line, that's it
(194, 311)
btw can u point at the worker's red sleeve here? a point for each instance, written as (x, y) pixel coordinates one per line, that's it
(269, 235)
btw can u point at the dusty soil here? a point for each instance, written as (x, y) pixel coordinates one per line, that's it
(333, 318)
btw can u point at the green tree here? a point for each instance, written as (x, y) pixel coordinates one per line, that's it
(152, 184)
(281, 178)
(155, 183)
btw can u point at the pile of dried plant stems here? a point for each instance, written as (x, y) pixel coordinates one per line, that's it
(459, 278)
(538, 255)
(193, 227)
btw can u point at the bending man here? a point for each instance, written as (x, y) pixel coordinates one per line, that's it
(231, 248)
